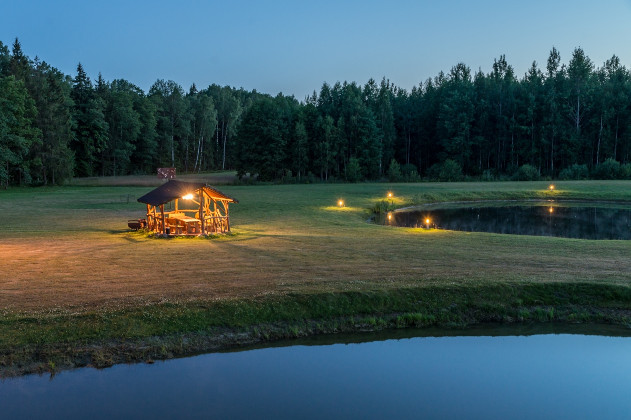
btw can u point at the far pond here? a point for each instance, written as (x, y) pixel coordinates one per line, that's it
(548, 375)
(581, 220)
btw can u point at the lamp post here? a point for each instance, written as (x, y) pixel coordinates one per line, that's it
(390, 196)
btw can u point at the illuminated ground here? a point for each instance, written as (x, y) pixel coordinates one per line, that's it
(68, 248)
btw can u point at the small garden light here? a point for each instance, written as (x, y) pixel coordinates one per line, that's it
(551, 187)
(340, 203)
(390, 194)
(427, 222)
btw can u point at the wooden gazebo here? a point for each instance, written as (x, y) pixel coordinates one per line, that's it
(204, 209)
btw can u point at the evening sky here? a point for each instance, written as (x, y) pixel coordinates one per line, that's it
(294, 46)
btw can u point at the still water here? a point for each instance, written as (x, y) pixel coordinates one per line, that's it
(565, 219)
(563, 375)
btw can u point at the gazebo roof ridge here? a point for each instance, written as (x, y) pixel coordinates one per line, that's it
(174, 189)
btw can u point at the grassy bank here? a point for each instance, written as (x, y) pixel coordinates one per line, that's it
(144, 334)
(78, 288)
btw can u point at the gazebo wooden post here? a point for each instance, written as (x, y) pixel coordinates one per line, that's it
(225, 203)
(162, 213)
(148, 216)
(201, 209)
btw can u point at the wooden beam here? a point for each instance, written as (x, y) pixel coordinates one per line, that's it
(202, 207)
(227, 216)
(163, 224)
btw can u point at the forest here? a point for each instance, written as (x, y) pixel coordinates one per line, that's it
(565, 121)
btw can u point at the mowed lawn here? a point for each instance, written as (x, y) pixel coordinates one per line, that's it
(68, 249)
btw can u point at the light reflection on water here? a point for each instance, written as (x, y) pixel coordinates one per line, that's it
(570, 220)
(536, 376)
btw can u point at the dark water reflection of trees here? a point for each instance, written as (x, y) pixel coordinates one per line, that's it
(582, 222)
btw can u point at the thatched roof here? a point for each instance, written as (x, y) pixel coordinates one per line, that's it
(177, 189)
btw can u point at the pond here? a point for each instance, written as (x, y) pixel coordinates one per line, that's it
(581, 220)
(484, 375)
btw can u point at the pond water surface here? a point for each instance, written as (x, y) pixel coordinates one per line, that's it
(565, 219)
(563, 375)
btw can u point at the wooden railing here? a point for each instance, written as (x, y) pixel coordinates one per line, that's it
(216, 224)
(213, 223)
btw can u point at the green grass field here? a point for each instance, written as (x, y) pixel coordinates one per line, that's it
(74, 279)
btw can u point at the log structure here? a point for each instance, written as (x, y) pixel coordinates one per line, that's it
(194, 209)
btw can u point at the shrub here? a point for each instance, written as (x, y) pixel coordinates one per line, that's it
(287, 177)
(488, 175)
(353, 170)
(382, 207)
(625, 171)
(609, 169)
(394, 171)
(410, 173)
(526, 173)
(450, 171)
(433, 173)
(310, 178)
(575, 171)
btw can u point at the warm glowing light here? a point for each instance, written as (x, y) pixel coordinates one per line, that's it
(551, 210)
(389, 216)
(551, 187)
(389, 195)
(188, 197)
(427, 221)
(340, 203)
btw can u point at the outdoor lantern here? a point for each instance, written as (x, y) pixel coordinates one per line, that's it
(389, 194)
(188, 196)
(551, 187)
(389, 216)
(340, 203)
(427, 222)
(551, 210)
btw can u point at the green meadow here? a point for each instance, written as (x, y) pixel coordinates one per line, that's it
(79, 288)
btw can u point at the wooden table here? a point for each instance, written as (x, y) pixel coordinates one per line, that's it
(191, 225)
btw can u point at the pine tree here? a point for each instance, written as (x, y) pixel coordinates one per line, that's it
(90, 127)
(19, 65)
(17, 131)
(52, 160)
(300, 152)
(5, 60)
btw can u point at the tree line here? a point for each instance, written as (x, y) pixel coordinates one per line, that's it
(569, 121)
(54, 126)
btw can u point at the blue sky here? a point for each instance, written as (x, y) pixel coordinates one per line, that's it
(294, 46)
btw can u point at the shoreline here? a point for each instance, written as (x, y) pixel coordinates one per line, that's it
(299, 316)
